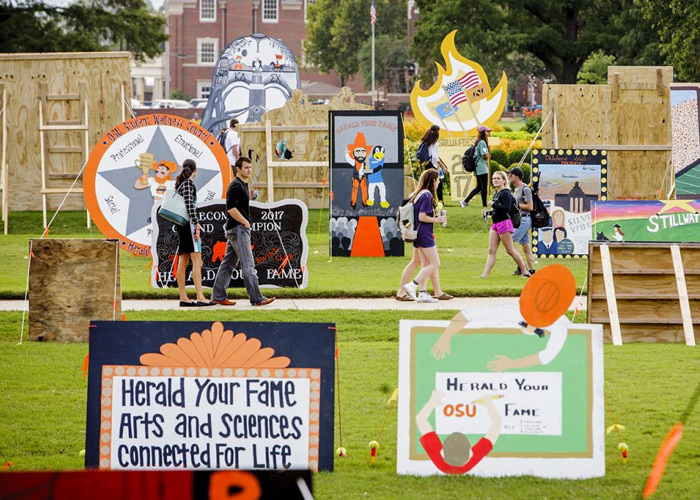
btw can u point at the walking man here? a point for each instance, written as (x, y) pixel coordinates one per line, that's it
(523, 197)
(233, 143)
(237, 232)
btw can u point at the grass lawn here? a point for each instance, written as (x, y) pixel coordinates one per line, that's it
(42, 415)
(462, 245)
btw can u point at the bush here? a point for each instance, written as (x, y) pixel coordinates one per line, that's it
(496, 167)
(515, 155)
(526, 171)
(532, 125)
(414, 131)
(499, 156)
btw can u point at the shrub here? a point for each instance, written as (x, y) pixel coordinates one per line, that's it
(532, 125)
(515, 155)
(499, 156)
(496, 167)
(414, 131)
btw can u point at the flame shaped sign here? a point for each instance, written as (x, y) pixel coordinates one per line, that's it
(461, 99)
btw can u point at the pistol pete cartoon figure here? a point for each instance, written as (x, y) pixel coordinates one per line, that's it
(374, 177)
(163, 179)
(543, 303)
(356, 155)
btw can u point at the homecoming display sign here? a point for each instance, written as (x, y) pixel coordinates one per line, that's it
(366, 183)
(670, 221)
(569, 181)
(461, 99)
(278, 238)
(182, 395)
(133, 165)
(685, 128)
(253, 75)
(544, 420)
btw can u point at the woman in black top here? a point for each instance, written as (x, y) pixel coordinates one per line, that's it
(502, 227)
(190, 246)
(431, 137)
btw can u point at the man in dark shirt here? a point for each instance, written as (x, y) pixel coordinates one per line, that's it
(237, 232)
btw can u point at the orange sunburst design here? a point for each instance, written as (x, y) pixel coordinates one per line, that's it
(215, 348)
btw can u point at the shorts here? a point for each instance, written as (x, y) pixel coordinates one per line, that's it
(522, 234)
(505, 226)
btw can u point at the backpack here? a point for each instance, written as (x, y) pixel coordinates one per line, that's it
(222, 139)
(406, 219)
(514, 213)
(469, 159)
(539, 214)
(422, 154)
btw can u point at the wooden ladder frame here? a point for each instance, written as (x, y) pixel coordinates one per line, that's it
(61, 126)
(4, 187)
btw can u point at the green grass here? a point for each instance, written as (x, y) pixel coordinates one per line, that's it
(514, 124)
(462, 246)
(42, 415)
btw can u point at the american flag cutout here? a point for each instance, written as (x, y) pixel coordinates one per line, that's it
(470, 80)
(455, 93)
(373, 14)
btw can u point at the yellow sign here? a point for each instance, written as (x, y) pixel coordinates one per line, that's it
(461, 99)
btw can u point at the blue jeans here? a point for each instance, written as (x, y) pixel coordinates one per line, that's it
(522, 234)
(237, 250)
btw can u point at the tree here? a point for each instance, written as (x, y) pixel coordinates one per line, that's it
(677, 23)
(336, 31)
(34, 26)
(561, 34)
(391, 57)
(595, 68)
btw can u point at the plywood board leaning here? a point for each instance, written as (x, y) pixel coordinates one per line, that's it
(72, 282)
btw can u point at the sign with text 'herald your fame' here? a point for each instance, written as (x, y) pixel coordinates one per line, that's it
(278, 238)
(203, 396)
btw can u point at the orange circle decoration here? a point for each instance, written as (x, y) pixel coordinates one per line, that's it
(121, 188)
(547, 295)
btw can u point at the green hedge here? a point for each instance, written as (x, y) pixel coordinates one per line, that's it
(515, 155)
(499, 156)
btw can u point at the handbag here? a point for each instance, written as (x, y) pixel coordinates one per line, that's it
(173, 208)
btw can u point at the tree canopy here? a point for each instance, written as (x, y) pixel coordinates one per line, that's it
(560, 34)
(85, 26)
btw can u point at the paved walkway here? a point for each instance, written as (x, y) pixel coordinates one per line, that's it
(315, 304)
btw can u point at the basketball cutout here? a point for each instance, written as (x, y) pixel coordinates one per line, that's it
(547, 295)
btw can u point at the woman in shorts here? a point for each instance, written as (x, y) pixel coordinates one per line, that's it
(502, 226)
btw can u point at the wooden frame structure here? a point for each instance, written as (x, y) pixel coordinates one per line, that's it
(630, 117)
(644, 292)
(3, 162)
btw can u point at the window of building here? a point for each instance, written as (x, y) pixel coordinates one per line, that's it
(207, 10)
(207, 50)
(203, 89)
(270, 11)
(306, 4)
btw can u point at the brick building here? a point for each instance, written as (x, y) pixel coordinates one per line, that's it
(200, 29)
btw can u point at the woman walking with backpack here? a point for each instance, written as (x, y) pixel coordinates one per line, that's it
(430, 139)
(424, 249)
(482, 156)
(502, 227)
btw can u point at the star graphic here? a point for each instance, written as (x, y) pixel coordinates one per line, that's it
(680, 205)
(140, 200)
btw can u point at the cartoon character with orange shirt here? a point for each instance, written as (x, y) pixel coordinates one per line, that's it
(356, 155)
(159, 183)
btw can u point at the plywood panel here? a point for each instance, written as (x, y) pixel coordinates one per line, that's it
(640, 286)
(308, 145)
(647, 333)
(580, 114)
(71, 282)
(102, 74)
(651, 310)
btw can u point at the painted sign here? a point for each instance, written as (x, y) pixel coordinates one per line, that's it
(461, 99)
(278, 238)
(132, 166)
(469, 413)
(670, 220)
(569, 181)
(685, 128)
(253, 75)
(366, 183)
(201, 396)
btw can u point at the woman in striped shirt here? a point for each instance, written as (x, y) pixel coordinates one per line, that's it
(190, 246)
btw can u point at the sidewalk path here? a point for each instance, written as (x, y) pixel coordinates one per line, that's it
(315, 304)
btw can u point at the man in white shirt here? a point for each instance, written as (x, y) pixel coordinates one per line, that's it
(233, 143)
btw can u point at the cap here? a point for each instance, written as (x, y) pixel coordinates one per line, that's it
(483, 128)
(516, 171)
(547, 295)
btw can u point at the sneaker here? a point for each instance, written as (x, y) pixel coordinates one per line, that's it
(532, 271)
(526, 275)
(463, 204)
(423, 297)
(411, 289)
(517, 272)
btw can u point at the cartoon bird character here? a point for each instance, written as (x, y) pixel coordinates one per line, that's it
(356, 155)
(374, 177)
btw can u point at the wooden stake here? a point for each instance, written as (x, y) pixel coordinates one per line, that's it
(610, 295)
(683, 296)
